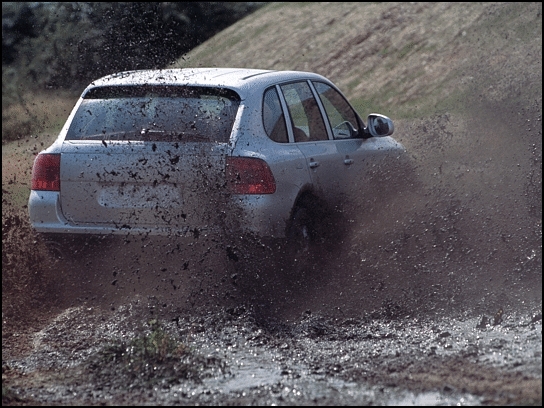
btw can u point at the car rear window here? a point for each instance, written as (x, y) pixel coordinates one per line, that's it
(155, 113)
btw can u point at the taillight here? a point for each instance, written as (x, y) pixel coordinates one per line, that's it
(247, 175)
(46, 172)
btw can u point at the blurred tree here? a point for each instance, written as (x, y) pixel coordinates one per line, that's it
(66, 45)
(69, 44)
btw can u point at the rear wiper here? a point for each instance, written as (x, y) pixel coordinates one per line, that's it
(145, 131)
(107, 136)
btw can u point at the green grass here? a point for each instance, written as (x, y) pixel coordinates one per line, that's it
(154, 347)
(154, 357)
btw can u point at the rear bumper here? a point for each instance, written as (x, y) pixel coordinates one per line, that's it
(262, 215)
(46, 217)
(45, 212)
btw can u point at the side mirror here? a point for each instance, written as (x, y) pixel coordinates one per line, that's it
(379, 125)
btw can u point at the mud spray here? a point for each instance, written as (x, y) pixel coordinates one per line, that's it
(459, 231)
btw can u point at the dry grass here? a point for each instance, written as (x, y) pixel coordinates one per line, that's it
(32, 126)
(34, 113)
(402, 59)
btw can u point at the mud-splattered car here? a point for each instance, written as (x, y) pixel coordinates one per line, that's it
(183, 151)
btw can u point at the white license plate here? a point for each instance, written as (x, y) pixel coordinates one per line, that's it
(140, 196)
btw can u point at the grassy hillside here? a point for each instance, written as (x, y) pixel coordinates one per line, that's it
(401, 59)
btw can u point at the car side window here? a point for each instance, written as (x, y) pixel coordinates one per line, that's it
(273, 118)
(341, 116)
(306, 119)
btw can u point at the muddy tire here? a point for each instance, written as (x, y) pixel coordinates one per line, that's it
(55, 249)
(301, 234)
(314, 232)
(305, 238)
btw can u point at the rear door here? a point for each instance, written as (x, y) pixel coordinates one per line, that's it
(147, 158)
(312, 138)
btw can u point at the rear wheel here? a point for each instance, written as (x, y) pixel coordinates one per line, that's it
(305, 237)
(300, 234)
(315, 228)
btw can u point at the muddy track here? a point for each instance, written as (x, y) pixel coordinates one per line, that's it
(84, 355)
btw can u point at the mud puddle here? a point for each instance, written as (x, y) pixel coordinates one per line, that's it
(145, 353)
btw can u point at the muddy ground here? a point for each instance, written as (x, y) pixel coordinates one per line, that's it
(246, 339)
(86, 356)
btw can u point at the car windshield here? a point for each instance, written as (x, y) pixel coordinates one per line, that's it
(155, 113)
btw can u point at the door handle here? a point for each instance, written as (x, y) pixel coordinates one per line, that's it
(314, 164)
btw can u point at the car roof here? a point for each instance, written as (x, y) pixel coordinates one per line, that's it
(241, 80)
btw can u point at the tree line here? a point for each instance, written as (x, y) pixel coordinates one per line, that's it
(68, 44)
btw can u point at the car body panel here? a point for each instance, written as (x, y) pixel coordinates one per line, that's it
(159, 184)
(268, 214)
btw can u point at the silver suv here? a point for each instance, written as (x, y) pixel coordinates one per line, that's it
(183, 151)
